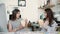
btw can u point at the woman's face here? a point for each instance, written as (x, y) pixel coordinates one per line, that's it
(45, 14)
(18, 15)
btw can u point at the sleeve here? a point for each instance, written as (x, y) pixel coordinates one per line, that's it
(54, 24)
(8, 24)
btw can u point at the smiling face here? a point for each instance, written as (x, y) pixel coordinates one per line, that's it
(45, 14)
(18, 15)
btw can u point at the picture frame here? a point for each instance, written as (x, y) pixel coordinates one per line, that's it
(22, 3)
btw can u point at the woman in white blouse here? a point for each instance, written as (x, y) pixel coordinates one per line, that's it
(48, 23)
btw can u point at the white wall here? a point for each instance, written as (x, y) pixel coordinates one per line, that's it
(30, 11)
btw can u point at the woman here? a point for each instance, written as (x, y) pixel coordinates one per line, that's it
(49, 22)
(14, 24)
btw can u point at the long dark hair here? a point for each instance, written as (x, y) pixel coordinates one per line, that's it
(49, 16)
(14, 12)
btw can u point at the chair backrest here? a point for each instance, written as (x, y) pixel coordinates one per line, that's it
(3, 18)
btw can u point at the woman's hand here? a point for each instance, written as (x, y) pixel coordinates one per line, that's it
(41, 23)
(26, 22)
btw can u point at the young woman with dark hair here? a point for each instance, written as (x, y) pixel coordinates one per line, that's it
(49, 22)
(49, 16)
(15, 14)
(14, 24)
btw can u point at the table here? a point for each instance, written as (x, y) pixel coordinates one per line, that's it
(28, 32)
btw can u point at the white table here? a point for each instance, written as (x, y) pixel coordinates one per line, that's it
(29, 32)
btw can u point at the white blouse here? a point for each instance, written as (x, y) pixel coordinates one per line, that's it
(50, 29)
